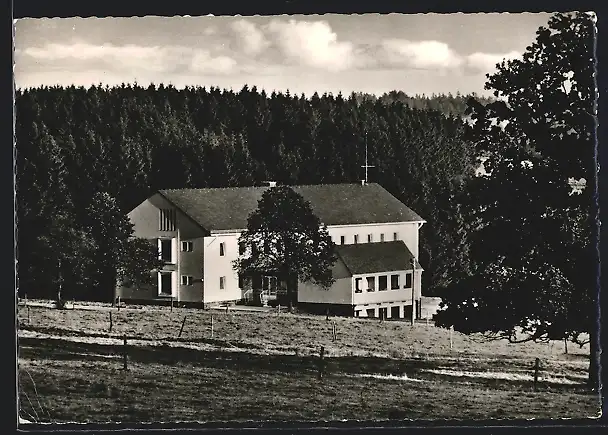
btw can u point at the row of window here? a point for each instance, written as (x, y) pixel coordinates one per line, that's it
(382, 283)
(396, 312)
(370, 238)
(189, 280)
(267, 282)
(188, 246)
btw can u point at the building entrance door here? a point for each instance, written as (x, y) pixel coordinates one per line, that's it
(395, 313)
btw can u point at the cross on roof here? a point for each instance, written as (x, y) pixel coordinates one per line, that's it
(366, 165)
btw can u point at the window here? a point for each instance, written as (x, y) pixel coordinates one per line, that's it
(356, 238)
(408, 280)
(382, 237)
(371, 283)
(371, 312)
(222, 282)
(357, 313)
(165, 247)
(166, 219)
(187, 246)
(187, 280)
(395, 236)
(222, 249)
(165, 283)
(341, 240)
(382, 282)
(394, 282)
(269, 283)
(370, 238)
(358, 285)
(242, 248)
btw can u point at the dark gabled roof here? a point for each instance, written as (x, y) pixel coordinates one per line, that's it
(376, 257)
(218, 209)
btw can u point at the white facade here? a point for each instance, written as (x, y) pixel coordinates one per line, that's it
(405, 231)
(221, 281)
(200, 267)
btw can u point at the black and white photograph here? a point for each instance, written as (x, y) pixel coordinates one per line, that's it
(307, 218)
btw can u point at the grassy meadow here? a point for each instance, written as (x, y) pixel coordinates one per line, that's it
(264, 366)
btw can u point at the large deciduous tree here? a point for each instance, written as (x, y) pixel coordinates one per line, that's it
(118, 256)
(286, 239)
(532, 235)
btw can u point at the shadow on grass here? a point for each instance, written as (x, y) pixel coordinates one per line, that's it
(58, 349)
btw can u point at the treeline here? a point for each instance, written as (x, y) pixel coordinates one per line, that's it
(448, 104)
(82, 150)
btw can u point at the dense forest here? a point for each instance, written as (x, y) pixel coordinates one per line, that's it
(87, 156)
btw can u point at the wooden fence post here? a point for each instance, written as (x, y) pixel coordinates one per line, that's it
(110, 322)
(171, 303)
(25, 295)
(321, 361)
(536, 370)
(451, 338)
(212, 326)
(124, 353)
(334, 330)
(28, 314)
(565, 345)
(278, 309)
(182, 328)
(118, 305)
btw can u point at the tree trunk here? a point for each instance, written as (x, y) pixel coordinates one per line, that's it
(292, 291)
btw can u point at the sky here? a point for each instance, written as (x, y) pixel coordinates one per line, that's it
(372, 53)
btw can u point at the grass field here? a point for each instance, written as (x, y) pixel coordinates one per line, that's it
(264, 366)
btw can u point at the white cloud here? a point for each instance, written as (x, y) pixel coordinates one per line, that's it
(251, 39)
(282, 46)
(312, 44)
(123, 57)
(133, 58)
(486, 62)
(419, 54)
(204, 63)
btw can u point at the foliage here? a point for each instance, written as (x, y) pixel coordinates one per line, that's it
(531, 235)
(287, 239)
(74, 144)
(137, 260)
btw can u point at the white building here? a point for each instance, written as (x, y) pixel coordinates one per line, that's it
(197, 233)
